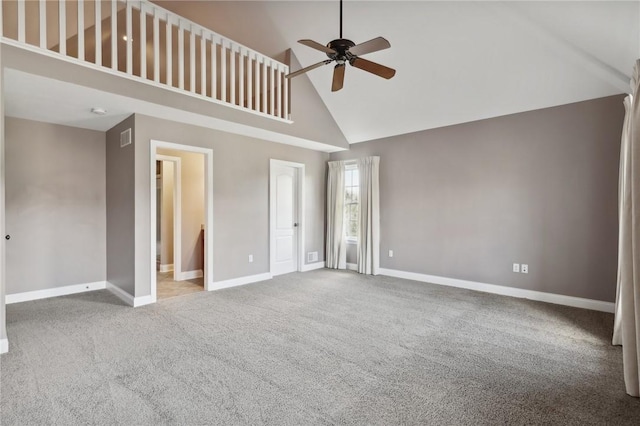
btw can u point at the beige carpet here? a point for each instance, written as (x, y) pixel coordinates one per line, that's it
(321, 347)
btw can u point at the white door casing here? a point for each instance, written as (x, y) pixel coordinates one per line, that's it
(208, 189)
(286, 227)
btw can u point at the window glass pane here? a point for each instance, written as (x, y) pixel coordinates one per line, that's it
(353, 227)
(355, 177)
(348, 179)
(353, 212)
(348, 195)
(355, 194)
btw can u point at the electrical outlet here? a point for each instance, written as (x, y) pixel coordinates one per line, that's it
(250, 258)
(525, 268)
(390, 253)
(516, 267)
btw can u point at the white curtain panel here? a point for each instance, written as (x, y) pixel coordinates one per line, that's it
(369, 219)
(336, 250)
(627, 318)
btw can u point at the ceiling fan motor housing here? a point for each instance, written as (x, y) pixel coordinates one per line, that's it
(341, 47)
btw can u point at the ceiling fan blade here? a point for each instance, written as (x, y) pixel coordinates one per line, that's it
(315, 45)
(378, 43)
(338, 77)
(373, 68)
(309, 68)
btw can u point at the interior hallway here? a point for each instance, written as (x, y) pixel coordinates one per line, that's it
(167, 287)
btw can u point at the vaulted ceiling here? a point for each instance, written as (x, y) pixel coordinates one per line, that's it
(456, 61)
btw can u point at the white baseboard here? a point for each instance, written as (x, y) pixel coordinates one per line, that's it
(312, 266)
(558, 299)
(166, 268)
(219, 285)
(54, 292)
(129, 299)
(352, 267)
(4, 346)
(190, 275)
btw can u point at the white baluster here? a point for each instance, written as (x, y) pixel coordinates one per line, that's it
(98, 27)
(156, 47)
(214, 70)
(43, 24)
(62, 21)
(232, 72)
(203, 64)
(272, 89)
(223, 71)
(241, 76)
(143, 41)
(81, 30)
(114, 35)
(279, 99)
(250, 80)
(21, 21)
(285, 107)
(264, 85)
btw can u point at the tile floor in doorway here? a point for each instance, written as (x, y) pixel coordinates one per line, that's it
(167, 287)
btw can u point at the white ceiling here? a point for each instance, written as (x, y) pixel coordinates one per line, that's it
(456, 61)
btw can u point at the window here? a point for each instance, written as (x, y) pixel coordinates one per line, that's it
(351, 202)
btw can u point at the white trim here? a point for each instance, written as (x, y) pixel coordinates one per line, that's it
(4, 346)
(558, 299)
(234, 282)
(208, 229)
(177, 213)
(300, 185)
(54, 292)
(312, 266)
(190, 275)
(166, 268)
(353, 267)
(129, 299)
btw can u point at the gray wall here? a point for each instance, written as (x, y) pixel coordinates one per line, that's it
(55, 205)
(120, 176)
(241, 196)
(540, 188)
(193, 196)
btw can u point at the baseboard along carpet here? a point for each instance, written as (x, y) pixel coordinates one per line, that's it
(321, 347)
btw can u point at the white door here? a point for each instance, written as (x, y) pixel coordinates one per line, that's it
(285, 219)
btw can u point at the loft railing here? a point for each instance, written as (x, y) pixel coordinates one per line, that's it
(150, 44)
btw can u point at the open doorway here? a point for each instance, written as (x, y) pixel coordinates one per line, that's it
(181, 205)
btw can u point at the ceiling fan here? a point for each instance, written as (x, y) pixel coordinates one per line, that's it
(342, 51)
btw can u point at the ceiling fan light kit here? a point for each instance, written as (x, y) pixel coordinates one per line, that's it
(343, 51)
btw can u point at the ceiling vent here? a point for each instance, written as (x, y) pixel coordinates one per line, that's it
(125, 138)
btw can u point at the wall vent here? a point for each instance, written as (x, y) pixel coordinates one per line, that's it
(312, 256)
(125, 138)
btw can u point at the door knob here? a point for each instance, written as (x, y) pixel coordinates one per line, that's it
(295, 224)
(7, 237)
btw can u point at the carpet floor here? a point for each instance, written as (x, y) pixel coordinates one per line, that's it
(323, 347)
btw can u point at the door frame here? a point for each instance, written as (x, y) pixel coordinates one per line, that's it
(300, 175)
(177, 212)
(208, 209)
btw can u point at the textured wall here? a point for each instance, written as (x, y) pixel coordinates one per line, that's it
(121, 208)
(55, 205)
(241, 195)
(539, 187)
